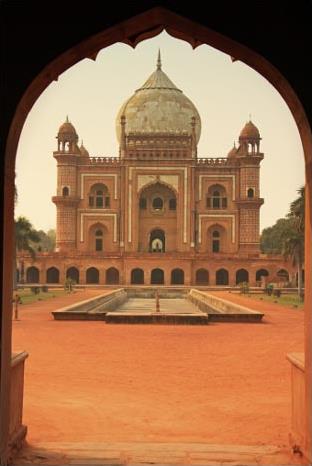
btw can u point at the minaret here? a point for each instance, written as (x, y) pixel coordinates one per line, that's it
(66, 199)
(249, 202)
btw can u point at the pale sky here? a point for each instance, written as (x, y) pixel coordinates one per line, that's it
(225, 94)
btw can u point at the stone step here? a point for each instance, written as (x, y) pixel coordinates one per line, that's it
(143, 453)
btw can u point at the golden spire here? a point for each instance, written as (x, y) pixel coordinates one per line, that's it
(159, 61)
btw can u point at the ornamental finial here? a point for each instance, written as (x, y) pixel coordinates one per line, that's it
(159, 61)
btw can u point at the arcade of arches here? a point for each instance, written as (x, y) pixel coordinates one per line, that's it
(158, 213)
(165, 275)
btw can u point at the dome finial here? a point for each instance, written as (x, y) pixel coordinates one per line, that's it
(159, 60)
(67, 120)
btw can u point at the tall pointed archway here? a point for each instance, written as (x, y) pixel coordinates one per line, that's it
(132, 32)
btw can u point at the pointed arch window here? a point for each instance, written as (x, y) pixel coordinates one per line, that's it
(99, 197)
(215, 241)
(172, 204)
(216, 198)
(99, 240)
(250, 193)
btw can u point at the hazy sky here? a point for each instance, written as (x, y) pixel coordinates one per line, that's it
(225, 94)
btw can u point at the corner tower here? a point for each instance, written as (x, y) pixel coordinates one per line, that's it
(248, 157)
(66, 199)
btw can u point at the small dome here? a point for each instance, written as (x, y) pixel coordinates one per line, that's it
(83, 150)
(233, 151)
(250, 131)
(67, 128)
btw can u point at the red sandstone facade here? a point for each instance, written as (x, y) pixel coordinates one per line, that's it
(158, 213)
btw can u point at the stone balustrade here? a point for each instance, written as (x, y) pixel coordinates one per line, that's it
(297, 433)
(17, 431)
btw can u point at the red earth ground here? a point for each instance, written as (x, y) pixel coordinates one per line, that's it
(221, 383)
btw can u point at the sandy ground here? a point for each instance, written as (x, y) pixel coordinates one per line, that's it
(221, 383)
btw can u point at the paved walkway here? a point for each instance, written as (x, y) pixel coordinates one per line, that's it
(221, 384)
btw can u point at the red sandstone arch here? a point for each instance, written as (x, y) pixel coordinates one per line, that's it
(92, 275)
(137, 277)
(53, 275)
(242, 275)
(222, 277)
(112, 276)
(202, 277)
(157, 277)
(177, 277)
(73, 273)
(32, 275)
(132, 31)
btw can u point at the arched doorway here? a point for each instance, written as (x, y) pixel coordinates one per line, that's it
(157, 277)
(222, 277)
(195, 35)
(53, 275)
(112, 276)
(137, 277)
(157, 241)
(92, 275)
(261, 273)
(283, 275)
(177, 277)
(242, 275)
(202, 277)
(73, 273)
(32, 275)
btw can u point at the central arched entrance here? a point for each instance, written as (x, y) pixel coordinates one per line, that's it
(157, 241)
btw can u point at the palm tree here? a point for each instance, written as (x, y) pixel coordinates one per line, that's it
(293, 245)
(297, 209)
(25, 235)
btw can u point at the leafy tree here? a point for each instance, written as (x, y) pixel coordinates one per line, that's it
(287, 236)
(25, 237)
(271, 241)
(47, 241)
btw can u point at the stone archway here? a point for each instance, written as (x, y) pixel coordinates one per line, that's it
(132, 32)
(157, 277)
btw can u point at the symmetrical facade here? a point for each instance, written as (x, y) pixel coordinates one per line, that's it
(158, 213)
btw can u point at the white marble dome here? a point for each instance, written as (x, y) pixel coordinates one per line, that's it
(158, 107)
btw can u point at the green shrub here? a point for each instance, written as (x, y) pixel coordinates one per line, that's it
(69, 285)
(277, 293)
(244, 287)
(269, 289)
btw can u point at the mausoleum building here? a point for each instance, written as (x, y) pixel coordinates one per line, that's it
(159, 212)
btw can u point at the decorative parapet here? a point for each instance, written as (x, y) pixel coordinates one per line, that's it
(215, 161)
(104, 160)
